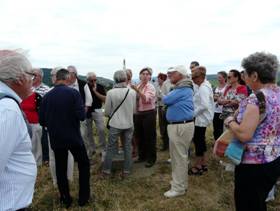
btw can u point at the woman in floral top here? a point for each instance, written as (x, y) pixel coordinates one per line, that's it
(233, 94)
(260, 166)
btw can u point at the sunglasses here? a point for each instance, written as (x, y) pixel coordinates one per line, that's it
(33, 76)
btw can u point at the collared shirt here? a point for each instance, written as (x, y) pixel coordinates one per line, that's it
(42, 89)
(17, 164)
(150, 102)
(75, 85)
(203, 104)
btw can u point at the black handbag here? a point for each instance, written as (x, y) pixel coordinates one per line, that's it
(110, 117)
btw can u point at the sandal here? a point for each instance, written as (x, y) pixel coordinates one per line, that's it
(195, 171)
(204, 168)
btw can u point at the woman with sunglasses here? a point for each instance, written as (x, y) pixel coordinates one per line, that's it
(233, 94)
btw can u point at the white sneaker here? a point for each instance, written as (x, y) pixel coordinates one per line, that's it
(169, 160)
(172, 194)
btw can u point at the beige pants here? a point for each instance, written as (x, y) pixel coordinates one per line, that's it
(36, 143)
(180, 137)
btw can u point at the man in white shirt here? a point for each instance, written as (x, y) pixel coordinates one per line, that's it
(95, 95)
(17, 164)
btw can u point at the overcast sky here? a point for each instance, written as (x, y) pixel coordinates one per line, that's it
(96, 35)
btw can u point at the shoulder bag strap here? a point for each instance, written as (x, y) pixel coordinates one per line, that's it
(110, 117)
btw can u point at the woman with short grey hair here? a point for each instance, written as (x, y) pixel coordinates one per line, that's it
(256, 126)
(120, 106)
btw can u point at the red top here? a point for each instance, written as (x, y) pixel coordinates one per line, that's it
(28, 106)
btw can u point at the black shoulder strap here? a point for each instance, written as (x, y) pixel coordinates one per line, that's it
(262, 105)
(3, 95)
(110, 117)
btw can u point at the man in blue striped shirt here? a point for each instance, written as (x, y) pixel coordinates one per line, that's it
(17, 165)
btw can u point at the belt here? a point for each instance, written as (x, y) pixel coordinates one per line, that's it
(181, 122)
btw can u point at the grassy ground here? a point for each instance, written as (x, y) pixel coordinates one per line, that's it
(143, 190)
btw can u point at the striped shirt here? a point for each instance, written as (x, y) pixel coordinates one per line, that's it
(42, 89)
(17, 165)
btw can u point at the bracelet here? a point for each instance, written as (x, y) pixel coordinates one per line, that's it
(230, 121)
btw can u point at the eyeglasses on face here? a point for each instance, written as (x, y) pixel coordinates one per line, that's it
(92, 80)
(32, 75)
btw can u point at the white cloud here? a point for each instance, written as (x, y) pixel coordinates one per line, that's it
(97, 35)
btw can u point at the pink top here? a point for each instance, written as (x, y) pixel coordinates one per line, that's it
(150, 103)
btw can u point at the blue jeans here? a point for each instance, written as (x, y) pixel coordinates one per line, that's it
(114, 134)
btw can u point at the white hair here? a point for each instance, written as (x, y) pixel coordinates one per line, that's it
(120, 76)
(13, 64)
(90, 74)
(39, 71)
(73, 69)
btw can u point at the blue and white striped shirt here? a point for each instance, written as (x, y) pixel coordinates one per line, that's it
(17, 165)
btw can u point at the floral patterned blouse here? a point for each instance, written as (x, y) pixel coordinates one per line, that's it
(238, 94)
(265, 144)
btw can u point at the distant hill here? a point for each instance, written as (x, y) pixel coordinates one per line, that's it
(107, 83)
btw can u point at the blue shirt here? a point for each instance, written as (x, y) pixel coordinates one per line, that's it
(180, 104)
(17, 165)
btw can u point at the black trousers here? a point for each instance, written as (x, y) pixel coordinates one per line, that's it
(253, 183)
(45, 144)
(145, 132)
(80, 155)
(199, 141)
(163, 126)
(218, 126)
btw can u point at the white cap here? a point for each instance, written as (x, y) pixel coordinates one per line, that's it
(180, 69)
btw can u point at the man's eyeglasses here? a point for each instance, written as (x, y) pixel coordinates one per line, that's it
(33, 76)
(92, 80)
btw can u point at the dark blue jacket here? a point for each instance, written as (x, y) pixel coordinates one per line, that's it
(61, 112)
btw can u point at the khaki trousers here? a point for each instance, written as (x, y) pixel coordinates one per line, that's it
(180, 137)
(36, 143)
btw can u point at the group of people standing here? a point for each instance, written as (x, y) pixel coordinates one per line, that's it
(55, 125)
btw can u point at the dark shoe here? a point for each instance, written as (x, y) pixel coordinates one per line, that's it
(140, 161)
(83, 202)
(149, 164)
(204, 168)
(66, 201)
(195, 171)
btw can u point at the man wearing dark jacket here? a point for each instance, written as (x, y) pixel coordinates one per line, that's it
(61, 112)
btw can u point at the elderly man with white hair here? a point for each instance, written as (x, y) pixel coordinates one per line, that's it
(180, 114)
(17, 164)
(95, 96)
(41, 89)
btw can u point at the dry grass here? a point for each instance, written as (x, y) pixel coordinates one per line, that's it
(143, 191)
